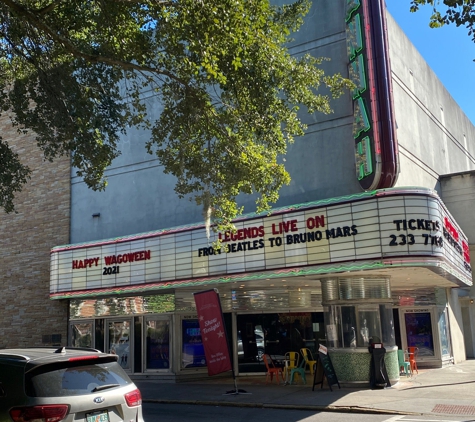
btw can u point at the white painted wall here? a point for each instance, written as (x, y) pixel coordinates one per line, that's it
(456, 326)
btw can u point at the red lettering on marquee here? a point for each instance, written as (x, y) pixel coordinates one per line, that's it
(451, 229)
(127, 257)
(85, 263)
(466, 252)
(242, 234)
(315, 222)
(285, 227)
(78, 264)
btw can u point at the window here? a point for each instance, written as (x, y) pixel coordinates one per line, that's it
(69, 379)
(359, 325)
(193, 354)
(419, 332)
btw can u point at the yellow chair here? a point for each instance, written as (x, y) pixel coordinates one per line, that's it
(309, 360)
(291, 362)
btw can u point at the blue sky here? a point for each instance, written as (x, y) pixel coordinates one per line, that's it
(449, 51)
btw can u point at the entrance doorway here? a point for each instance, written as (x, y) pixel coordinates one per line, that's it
(467, 333)
(118, 337)
(276, 334)
(419, 332)
(157, 343)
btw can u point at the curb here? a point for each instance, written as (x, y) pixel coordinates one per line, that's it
(330, 408)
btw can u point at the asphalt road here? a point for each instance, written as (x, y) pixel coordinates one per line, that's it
(154, 412)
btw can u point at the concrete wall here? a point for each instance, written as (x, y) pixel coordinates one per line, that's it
(28, 317)
(435, 138)
(468, 330)
(141, 198)
(458, 193)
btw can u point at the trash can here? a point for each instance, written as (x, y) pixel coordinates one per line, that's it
(378, 375)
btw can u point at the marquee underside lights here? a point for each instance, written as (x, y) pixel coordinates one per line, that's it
(436, 266)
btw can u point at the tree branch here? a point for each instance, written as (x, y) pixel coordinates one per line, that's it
(48, 8)
(36, 22)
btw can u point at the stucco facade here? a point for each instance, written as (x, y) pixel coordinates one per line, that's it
(458, 191)
(434, 137)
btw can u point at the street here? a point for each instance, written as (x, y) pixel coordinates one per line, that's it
(154, 412)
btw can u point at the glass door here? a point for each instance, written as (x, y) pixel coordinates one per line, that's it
(157, 343)
(274, 334)
(118, 340)
(419, 332)
(192, 351)
(444, 334)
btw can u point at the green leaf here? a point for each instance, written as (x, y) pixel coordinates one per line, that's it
(74, 72)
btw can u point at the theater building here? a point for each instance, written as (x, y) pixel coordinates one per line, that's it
(341, 267)
(360, 248)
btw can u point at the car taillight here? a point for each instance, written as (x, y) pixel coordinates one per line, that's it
(47, 413)
(134, 398)
(88, 357)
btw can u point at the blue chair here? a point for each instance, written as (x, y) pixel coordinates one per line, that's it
(404, 365)
(299, 370)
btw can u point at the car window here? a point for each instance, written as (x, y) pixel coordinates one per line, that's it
(71, 380)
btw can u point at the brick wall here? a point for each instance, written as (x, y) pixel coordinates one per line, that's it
(27, 316)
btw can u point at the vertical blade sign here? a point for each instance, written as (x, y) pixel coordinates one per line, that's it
(213, 333)
(374, 128)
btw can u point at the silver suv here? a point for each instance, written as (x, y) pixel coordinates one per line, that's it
(65, 384)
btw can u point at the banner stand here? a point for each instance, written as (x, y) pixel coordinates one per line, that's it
(236, 390)
(214, 335)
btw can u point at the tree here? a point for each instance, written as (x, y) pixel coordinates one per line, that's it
(458, 12)
(72, 71)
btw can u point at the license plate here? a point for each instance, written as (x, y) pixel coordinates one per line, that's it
(98, 417)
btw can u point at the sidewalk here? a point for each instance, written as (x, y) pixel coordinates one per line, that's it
(447, 391)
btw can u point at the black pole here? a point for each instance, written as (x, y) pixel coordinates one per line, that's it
(236, 389)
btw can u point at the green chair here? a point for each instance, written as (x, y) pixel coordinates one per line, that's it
(292, 360)
(300, 370)
(404, 366)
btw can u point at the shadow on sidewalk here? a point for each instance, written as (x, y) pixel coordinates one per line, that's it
(439, 385)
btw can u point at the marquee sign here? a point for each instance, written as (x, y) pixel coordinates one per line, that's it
(387, 224)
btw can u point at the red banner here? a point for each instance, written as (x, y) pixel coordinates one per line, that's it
(213, 333)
